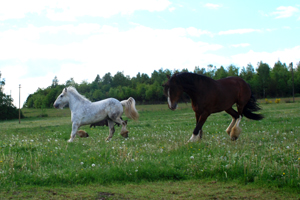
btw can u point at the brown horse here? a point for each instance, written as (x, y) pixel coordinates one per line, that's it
(210, 96)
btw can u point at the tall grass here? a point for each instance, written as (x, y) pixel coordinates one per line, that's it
(36, 151)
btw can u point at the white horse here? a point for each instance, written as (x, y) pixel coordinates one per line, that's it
(84, 112)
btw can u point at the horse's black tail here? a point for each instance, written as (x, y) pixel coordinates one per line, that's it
(251, 107)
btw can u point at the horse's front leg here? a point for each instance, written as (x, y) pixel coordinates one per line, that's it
(75, 127)
(197, 133)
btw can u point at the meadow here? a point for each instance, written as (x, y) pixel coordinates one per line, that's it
(35, 153)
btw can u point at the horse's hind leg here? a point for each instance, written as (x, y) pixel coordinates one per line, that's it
(117, 118)
(124, 131)
(233, 130)
(229, 128)
(111, 125)
(234, 116)
(236, 130)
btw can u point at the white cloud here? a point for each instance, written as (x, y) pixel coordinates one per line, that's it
(192, 31)
(285, 56)
(69, 10)
(172, 9)
(23, 44)
(241, 45)
(16, 9)
(212, 6)
(238, 31)
(285, 11)
(108, 49)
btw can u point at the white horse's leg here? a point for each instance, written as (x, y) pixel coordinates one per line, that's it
(236, 130)
(228, 130)
(124, 131)
(111, 125)
(75, 127)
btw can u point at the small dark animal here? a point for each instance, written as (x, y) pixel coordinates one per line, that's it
(101, 123)
(210, 96)
(82, 133)
(105, 123)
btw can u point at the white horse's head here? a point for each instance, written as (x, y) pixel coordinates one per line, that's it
(62, 100)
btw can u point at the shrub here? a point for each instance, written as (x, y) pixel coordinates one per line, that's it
(268, 101)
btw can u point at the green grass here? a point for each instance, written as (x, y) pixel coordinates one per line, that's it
(191, 189)
(36, 153)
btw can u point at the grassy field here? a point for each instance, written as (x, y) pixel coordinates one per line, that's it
(37, 161)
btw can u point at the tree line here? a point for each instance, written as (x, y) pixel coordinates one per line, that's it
(265, 82)
(7, 108)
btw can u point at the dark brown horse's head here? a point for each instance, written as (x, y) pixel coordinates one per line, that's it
(172, 91)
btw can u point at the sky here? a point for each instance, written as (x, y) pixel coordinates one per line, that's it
(41, 39)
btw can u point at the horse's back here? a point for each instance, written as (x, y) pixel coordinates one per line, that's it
(109, 104)
(101, 110)
(236, 86)
(234, 82)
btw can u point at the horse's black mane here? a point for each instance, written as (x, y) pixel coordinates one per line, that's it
(189, 77)
(188, 80)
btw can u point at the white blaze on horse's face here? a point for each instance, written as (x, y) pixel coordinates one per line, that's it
(172, 106)
(62, 100)
(169, 100)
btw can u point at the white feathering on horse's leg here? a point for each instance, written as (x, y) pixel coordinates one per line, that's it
(194, 138)
(236, 130)
(228, 130)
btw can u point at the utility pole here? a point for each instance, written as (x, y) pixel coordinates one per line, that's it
(291, 66)
(19, 103)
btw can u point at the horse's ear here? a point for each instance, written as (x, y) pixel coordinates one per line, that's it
(66, 90)
(168, 76)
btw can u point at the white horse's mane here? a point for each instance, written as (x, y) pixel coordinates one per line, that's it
(76, 94)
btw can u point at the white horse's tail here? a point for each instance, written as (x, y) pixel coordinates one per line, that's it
(130, 110)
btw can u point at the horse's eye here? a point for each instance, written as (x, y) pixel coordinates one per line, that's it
(61, 96)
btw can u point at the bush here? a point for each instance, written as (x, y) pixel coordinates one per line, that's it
(268, 101)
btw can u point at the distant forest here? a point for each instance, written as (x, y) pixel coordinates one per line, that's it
(265, 82)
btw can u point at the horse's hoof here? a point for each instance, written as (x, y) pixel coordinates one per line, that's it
(70, 140)
(125, 134)
(233, 138)
(195, 138)
(228, 132)
(108, 139)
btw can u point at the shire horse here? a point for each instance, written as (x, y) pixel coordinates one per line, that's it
(211, 96)
(85, 112)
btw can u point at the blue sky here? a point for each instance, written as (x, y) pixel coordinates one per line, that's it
(80, 39)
